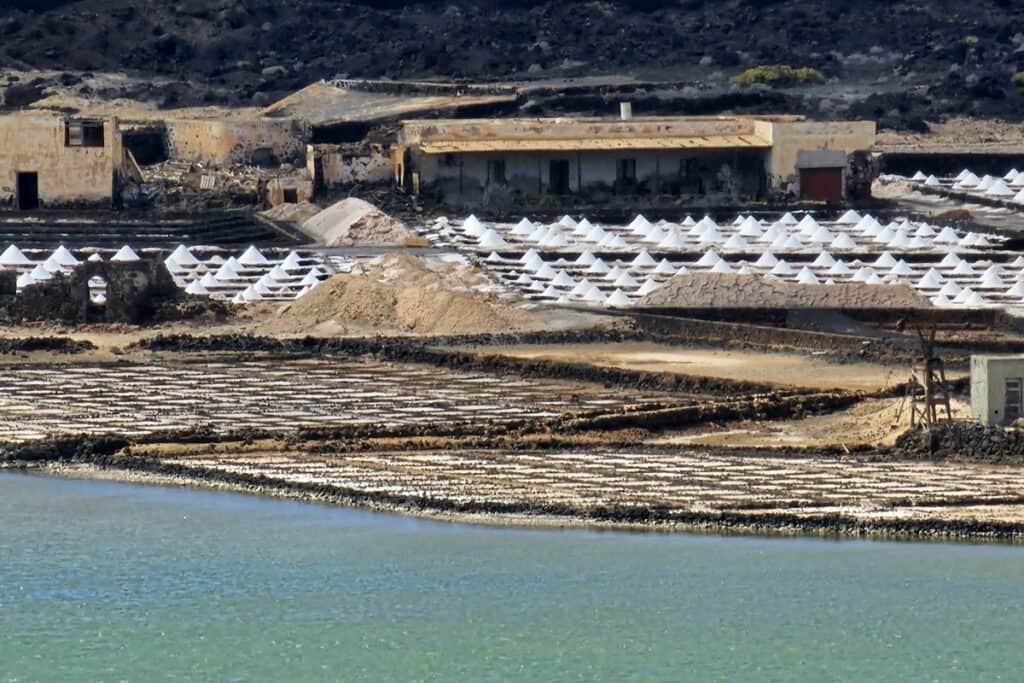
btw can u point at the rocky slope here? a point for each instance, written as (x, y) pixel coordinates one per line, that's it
(899, 59)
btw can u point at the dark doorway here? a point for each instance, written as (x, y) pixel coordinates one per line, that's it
(28, 191)
(558, 176)
(291, 196)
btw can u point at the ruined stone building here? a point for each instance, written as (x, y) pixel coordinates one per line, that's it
(47, 159)
(728, 156)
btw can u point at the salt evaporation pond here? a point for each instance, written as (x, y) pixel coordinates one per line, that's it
(102, 581)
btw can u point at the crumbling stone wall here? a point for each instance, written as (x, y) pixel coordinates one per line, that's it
(134, 292)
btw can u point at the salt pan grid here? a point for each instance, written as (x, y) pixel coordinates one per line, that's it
(1009, 187)
(580, 262)
(40, 401)
(675, 482)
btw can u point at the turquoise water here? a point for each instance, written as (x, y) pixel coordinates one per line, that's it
(102, 581)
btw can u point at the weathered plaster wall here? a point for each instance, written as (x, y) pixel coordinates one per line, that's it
(789, 138)
(276, 187)
(343, 165)
(67, 175)
(221, 143)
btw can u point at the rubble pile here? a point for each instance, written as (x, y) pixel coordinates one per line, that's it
(354, 221)
(963, 441)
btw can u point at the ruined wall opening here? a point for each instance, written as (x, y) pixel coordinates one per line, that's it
(147, 145)
(340, 133)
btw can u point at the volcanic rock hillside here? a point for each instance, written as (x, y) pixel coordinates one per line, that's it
(899, 59)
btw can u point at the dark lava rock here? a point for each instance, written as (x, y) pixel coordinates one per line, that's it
(963, 441)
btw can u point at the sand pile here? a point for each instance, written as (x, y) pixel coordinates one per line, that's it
(292, 213)
(725, 290)
(401, 294)
(355, 221)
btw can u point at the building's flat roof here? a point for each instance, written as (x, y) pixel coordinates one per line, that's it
(594, 144)
(448, 136)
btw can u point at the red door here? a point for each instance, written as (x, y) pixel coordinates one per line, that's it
(821, 184)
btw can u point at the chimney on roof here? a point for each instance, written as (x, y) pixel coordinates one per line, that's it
(625, 110)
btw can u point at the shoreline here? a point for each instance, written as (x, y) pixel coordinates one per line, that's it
(834, 527)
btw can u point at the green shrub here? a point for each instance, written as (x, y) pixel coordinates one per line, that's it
(970, 40)
(1018, 79)
(781, 74)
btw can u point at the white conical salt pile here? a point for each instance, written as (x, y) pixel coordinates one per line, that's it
(472, 226)
(585, 258)
(843, 242)
(1017, 290)
(672, 241)
(291, 261)
(709, 259)
(1019, 197)
(253, 258)
(688, 222)
(655, 235)
(968, 181)
(24, 280)
(736, 243)
(14, 257)
(567, 222)
(1018, 181)
(598, 267)
(683, 270)
(991, 279)
(181, 256)
(807, 225)
(644, 259)
(64, 257)
(125, 255)
(986, 182)
(712, 236)
(999, 189)
(839, 269)
(924, 230)
(278, 273)
(583, 228)
(963, 296)
(788, 219)
(617, 299)
(523, 228)
(901, 269)
(793, 243)
(196, 287)
(771, 234)
(930, 280)
(739, 220)
(226, 273)
(951, 288)
(940, 300)
(932, 181)
(208, 280)
(821, 236)
(824, 259)
(886, 260)
(581, 288)
(524, 280)
(625, 280)
(594, 295)
(976, 300)
(750, 228)
(596, 234)
(563, 279)
(530, 255)
(963, 174)
(766, 260)
(863, 274)
(919, 176)
(614, 273)
(491, 240)
(745, 270)
(664, 268)
(806, 277)
(851, 217)
(556, 240)
(1011, 175)
(95, 258)
(963, 268)
(781, 268)
(639, 225)
(647, 287)
(539, 233)
(722, 267)
(39, 273)
(545, 272)
(779, 243)
(947, 236)
(981, 241)
(551, 292)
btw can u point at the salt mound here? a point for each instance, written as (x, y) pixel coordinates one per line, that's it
(355, 221)
(402, 294)
(719, 290)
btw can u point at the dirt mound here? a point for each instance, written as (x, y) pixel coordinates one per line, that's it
(726, 290)
(402, 294)
(355, 221)
(292, 213)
